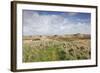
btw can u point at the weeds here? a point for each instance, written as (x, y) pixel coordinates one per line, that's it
(39, 50)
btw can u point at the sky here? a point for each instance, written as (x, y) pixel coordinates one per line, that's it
(55, 22)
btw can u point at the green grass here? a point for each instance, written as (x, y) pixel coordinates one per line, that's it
(38, 51)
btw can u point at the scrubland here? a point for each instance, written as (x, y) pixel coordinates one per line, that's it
(56, 48)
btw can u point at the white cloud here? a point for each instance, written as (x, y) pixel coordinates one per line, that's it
(38, 24)
(72, 13)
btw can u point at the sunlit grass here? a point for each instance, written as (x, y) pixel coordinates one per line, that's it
(37, 51)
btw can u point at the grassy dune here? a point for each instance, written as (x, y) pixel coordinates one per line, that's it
(55, 48)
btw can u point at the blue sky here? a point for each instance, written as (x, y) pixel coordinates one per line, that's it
(55, 23)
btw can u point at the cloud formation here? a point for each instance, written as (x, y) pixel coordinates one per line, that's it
(39, 23)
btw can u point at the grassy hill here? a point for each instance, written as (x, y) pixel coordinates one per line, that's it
(56, 47)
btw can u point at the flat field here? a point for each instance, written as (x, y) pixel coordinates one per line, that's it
(56, 48)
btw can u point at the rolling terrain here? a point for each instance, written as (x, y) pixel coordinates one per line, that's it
(56, 47)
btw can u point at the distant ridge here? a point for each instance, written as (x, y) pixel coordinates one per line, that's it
(58, 37)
